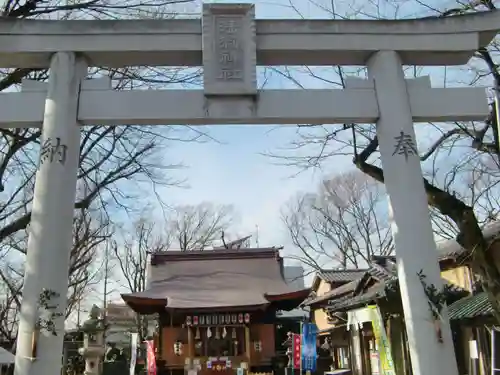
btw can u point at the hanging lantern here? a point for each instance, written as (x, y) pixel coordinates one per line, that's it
(178, 348)
(234, 318)
(197, 335)
(188, 320)
(240, 318)
(195, 320)
(247, 318)
(202, 320)
(228, 319)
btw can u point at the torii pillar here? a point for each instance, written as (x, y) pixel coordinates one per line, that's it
(431, 352)
(229, 53)
(39, 347)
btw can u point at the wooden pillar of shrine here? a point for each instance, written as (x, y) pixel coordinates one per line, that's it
(247, 344)
(190, 342)
(159, 337)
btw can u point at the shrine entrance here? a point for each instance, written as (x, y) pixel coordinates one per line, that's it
(229, 43)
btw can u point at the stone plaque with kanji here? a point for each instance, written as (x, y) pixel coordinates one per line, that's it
(229, 49)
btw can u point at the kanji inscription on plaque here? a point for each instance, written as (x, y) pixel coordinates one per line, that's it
(404, 145)
(229, 49)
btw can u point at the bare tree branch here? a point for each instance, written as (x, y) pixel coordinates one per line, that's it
(109, 158)
(131, 255)
(196, 227)
(342, 225)
(460, 160)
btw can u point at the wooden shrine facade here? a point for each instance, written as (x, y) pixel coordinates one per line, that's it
(217, 308)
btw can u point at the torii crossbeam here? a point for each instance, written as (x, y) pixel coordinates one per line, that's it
(99, 104)
(229, 43)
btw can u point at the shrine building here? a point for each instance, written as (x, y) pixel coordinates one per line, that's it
(217, 309)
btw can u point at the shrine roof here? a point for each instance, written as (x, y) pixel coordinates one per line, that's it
(218, 253)
(216, 280)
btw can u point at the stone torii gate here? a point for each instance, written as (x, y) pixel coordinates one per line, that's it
(229, 43)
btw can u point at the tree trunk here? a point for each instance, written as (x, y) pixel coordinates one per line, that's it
(470, 237)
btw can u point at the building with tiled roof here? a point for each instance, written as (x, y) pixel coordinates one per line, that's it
(217, 304)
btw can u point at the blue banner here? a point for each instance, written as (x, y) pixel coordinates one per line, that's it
(309, 333)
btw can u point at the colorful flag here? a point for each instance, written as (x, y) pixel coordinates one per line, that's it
(151, 360)
(384, 346)
(309, 333)
(296, 350)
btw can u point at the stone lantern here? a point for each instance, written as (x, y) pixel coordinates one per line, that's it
(93, 341)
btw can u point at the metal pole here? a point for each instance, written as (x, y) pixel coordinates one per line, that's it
(105, 291)
(496, 103)
(474, 351)
(106, 264)
(474, 366)
(78, 310)
(492, 351)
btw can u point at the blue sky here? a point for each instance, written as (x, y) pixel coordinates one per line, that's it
(235, 172)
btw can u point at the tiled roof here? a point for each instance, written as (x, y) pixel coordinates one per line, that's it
(312, 296)
(341, 276)
(470, 307)
(383, 281)
(378, 290)
(215, 279)
(451, 248)
(337, 292)
(384, 269)
(373, 293)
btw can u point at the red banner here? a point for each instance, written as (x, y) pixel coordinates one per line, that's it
(151, 360)
(296, 350)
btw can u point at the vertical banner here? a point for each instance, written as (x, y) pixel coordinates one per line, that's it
(309, 333)
(296, 350)
(133, 352)
(384, 348)
(151, 360)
